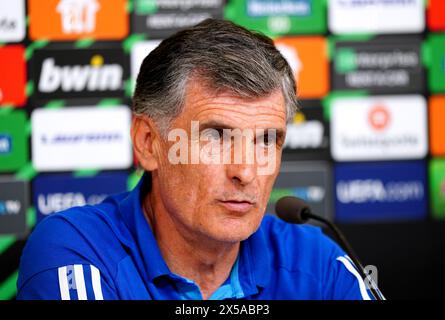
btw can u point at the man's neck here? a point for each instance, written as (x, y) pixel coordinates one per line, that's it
(205, 261)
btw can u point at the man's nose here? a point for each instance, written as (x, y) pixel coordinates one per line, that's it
(241, 174)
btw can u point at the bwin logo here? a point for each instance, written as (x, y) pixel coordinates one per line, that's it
(96, 76)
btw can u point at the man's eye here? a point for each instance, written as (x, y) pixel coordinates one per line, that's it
(267, 140)
(213, 134)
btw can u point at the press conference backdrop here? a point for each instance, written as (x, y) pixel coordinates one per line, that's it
(367, 150)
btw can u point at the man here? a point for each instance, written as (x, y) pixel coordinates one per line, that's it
(194, 227)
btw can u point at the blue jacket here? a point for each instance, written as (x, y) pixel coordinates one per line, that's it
(108, 251)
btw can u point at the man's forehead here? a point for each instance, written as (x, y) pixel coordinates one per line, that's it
(204, 104)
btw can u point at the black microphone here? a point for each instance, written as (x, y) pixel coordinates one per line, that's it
(296, 211)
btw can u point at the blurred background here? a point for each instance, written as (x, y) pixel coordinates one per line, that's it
(367, 149)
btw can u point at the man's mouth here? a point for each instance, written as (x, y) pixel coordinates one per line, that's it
(240, 206)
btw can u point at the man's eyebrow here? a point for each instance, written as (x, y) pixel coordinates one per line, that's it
(212, 124)
(279, 133)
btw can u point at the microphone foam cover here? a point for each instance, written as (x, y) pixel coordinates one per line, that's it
(290, 209)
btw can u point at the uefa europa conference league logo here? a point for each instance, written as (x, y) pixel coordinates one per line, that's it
(161, 18)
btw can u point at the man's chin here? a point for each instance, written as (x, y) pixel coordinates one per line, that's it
(233, 231)
(230, 239)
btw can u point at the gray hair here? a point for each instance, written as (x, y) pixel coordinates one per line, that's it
(222, 54)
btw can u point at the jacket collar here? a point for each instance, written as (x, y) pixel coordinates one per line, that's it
(254, 259)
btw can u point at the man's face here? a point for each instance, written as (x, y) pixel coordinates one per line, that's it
(224, 200)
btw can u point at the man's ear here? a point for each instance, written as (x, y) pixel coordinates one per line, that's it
(144, 137)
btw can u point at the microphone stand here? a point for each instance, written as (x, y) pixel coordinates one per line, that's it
(307, 214)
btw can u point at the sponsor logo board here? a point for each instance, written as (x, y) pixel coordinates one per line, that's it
(13, 206)
(436, 52)
(12, 86)
(308, 58)
(160, 18)
(307, 137)
(383, 65)
(279, 17)
(436, 15)
(309, 181)
(382, 191)
(437, 128)
(56, 192)
(138, 53)
(81, 138)
(379, 128)
(77, 19)
(12, 20)
(376, 16)
(13, 140)
(79, 73)
(437, 187)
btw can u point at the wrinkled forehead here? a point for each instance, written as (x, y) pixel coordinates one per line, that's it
(224, 106)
